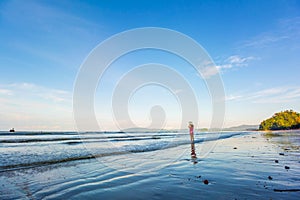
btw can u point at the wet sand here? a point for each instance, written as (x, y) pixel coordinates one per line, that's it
(253, 166)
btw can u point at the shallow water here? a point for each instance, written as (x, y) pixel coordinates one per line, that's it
(48, 166)
(33, 149)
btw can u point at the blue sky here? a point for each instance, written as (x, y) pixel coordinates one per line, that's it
(255, 45)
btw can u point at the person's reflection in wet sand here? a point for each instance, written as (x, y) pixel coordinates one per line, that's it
(193, 153)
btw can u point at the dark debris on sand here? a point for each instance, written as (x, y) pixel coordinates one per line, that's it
(286, 167)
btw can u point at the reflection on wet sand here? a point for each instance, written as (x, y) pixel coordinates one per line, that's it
(193, 153)
(288, 140)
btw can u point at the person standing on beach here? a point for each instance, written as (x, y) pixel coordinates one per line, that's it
(191, 128)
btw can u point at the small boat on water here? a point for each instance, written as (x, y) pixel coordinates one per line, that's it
(12, 130)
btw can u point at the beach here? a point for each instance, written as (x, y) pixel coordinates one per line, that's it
(242, 165)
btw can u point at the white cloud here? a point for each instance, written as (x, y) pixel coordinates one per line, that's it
(6, 92)
(232, 97)
(209, 71)
(233, 61)
(28, 106)
(271, 95)
(178, 91)
(26, 90)
(236, 60)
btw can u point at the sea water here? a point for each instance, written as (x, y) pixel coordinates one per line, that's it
(115, 165)
(33, 149)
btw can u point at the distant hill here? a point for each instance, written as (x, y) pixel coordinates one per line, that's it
(242, 128)
(137, 129)
(134, 129)
(235, 128)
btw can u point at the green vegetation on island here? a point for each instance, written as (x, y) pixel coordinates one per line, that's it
(284, 120)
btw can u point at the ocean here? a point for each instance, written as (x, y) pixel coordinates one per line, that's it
(156, 165)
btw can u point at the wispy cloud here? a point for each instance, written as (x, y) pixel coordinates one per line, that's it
(46, 17)
(239, 61)
(233, 97)
(270, 95)
(231, 62)
(286, 30)
(47, 31)
(209, 71)
(6, 92)
(30, 106)
(264, 40)
(25, 90)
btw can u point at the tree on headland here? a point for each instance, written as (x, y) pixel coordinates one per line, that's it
(284, 120)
